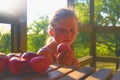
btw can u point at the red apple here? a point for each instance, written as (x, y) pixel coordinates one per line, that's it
(4, 60)
(28, 55)
(18, 65)
(13, 55)
(63, 47)
(62, 50)
(39, 64)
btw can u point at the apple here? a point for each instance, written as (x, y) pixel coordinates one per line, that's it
(28, 55)
(39, 64)
(13, 54)
(62, 50)
(4, 60)
(63, 47)
(18, 65)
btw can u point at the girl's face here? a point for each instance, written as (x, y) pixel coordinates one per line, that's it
(65, 30)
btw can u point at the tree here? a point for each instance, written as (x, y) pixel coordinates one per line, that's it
(38, 26)
(35, 42)
(5, 43)
(107, 12)
(82, 11)
(37, 34)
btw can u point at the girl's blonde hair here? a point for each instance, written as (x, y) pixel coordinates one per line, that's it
(59, 14)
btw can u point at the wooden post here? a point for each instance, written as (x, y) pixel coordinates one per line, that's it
(14, 38)
(23, 27)
(19, 29)
(92, 34)
(23, 37)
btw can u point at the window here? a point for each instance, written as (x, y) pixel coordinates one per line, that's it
(5, 38)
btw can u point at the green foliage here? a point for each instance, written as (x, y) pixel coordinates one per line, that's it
(35, 42)
(81, 45)
(5, 43)
(82, 12)
(106, 12)
(38, 26)
(112, 9)
(37, 34)
(106, 43)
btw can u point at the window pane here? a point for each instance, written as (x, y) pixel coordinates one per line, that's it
(5, 38)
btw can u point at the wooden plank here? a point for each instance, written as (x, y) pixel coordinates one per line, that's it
(79, 74)
(53, 67)
(28, 76)
(5, 75)
(85, 28)
(116, 76)
(10, 76)
(108, 29)
(50, 69)
(85, 60)
(101, 74)
(107, 59)
(14, 77)
(54, 75)
(105, 29)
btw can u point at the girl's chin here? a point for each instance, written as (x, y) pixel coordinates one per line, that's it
(69, 43)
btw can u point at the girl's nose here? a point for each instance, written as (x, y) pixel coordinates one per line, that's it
(68, 33)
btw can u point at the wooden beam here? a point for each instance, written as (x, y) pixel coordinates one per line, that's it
(85, 61)
(106, 29)
(85, 28)
(107, 59)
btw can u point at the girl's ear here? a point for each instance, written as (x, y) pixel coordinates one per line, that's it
(51, 32)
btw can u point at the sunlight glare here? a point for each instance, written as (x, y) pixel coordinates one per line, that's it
(5, 28)
(37, 8)
(6, 5)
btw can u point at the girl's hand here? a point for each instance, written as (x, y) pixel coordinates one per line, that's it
(65, 57)
(45, 52)
(75, 62)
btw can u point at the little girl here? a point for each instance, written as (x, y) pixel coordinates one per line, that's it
(62, 29)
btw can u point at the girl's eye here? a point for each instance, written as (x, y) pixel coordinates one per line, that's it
(62, 30)
(72, 30)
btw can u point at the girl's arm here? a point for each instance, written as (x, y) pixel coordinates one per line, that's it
(44, 52)
(47, 52)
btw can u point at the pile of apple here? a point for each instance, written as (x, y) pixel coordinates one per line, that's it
(19, 64)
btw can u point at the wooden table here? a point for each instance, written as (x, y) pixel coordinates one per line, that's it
(58, 72)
